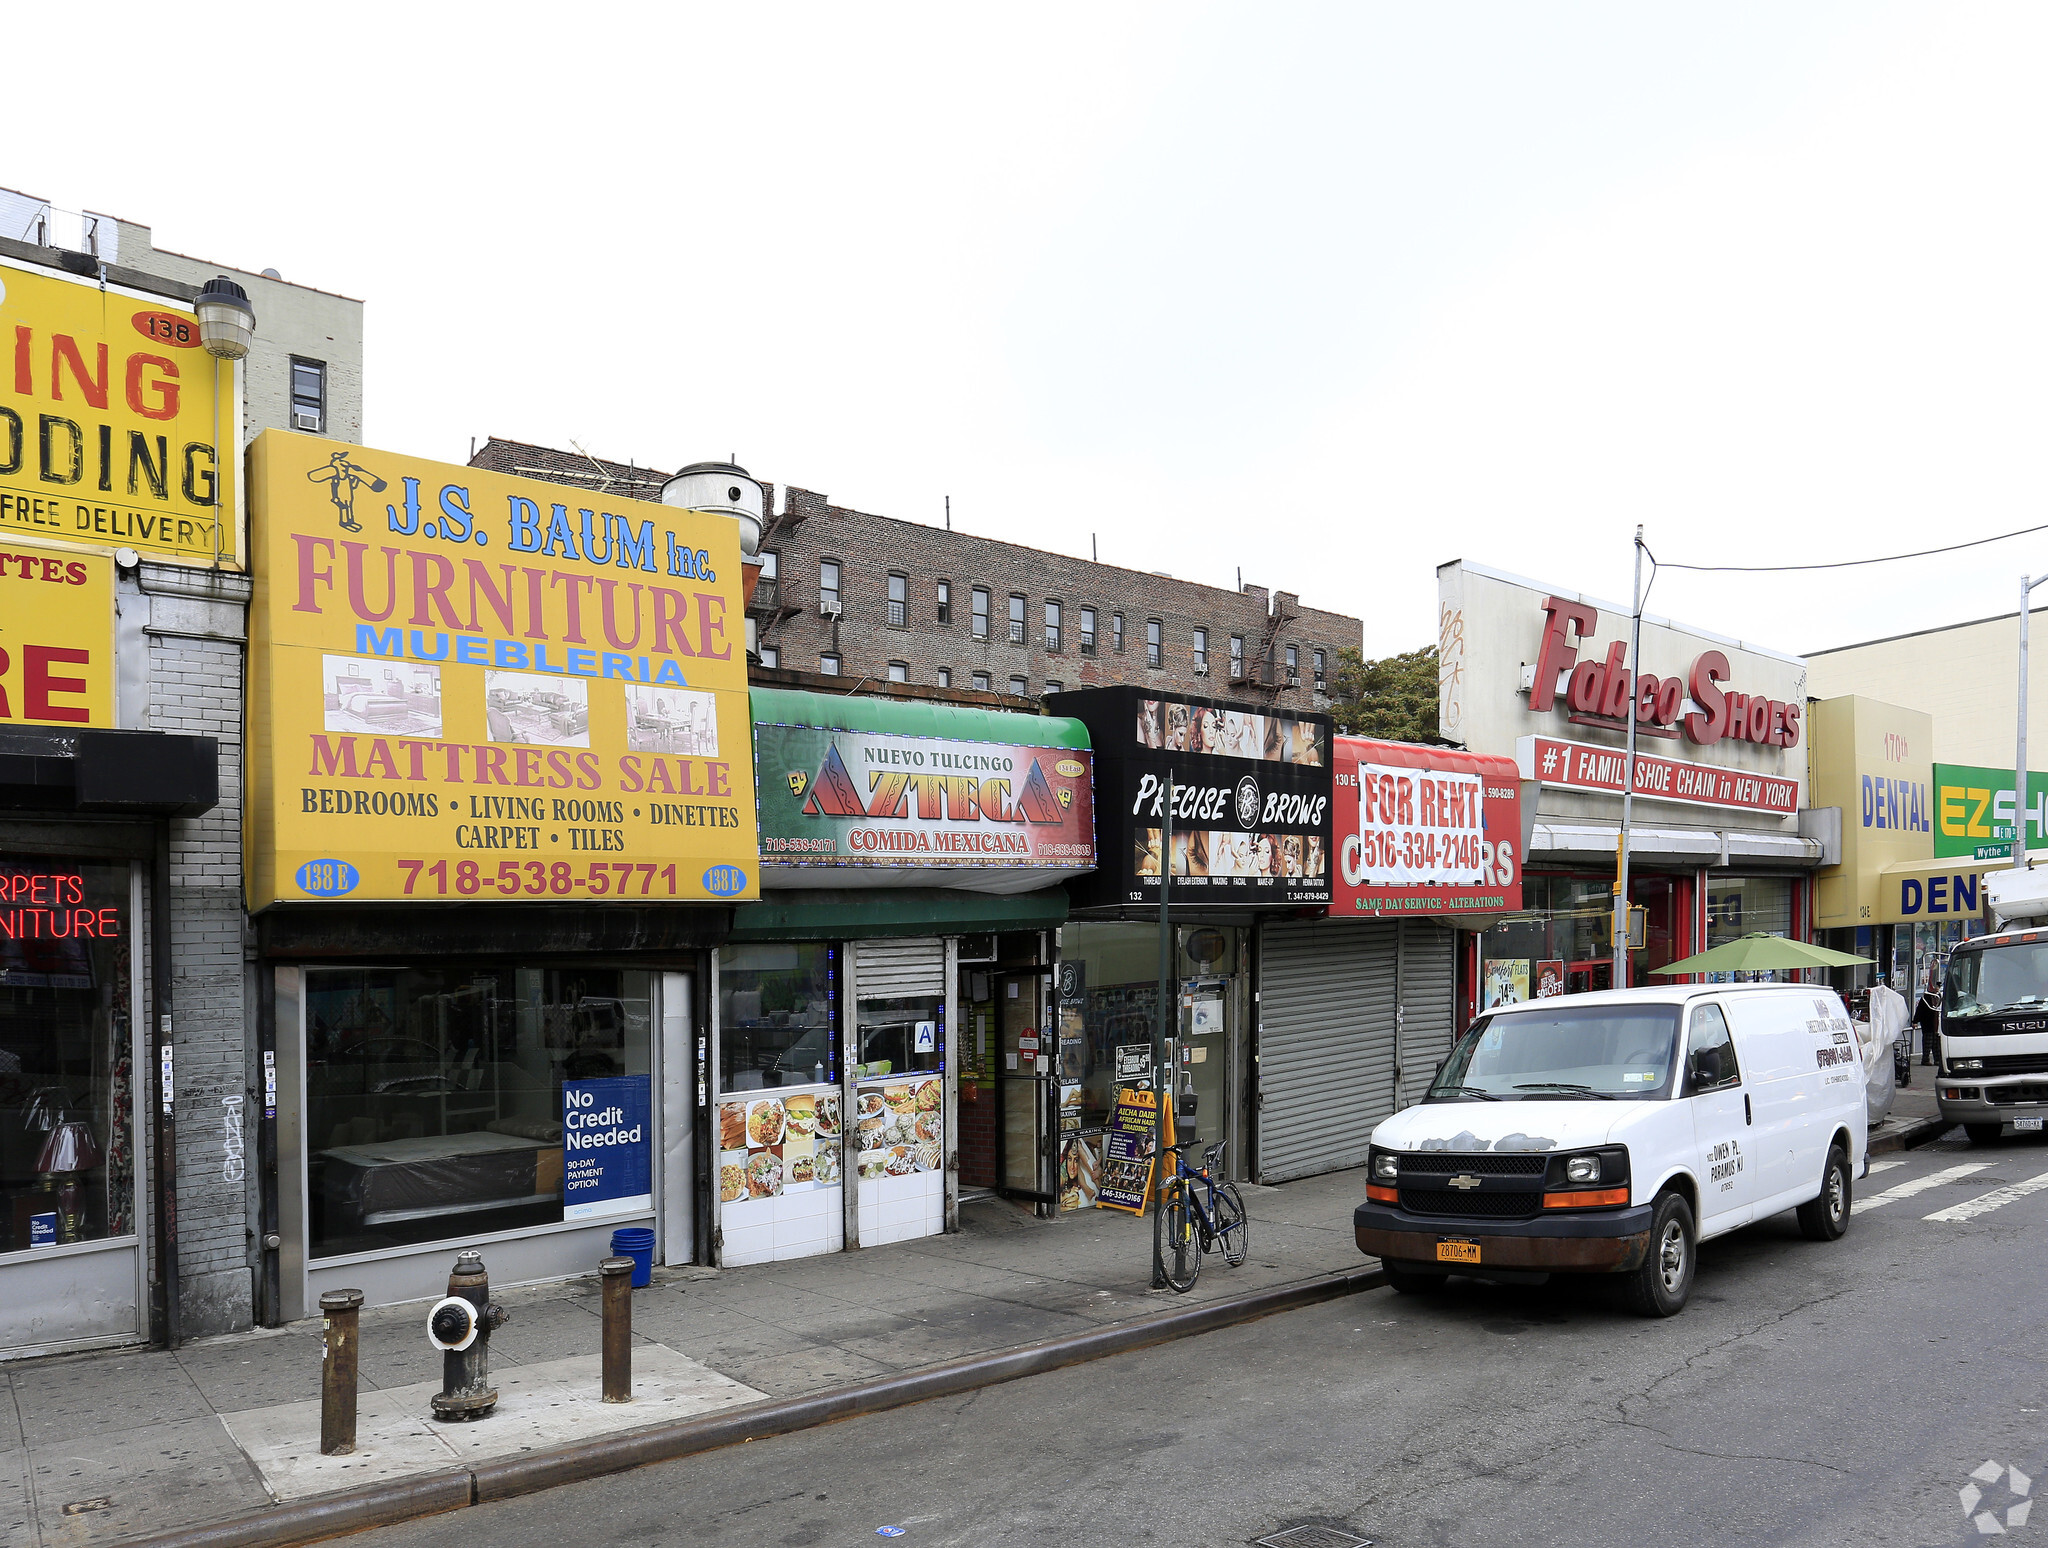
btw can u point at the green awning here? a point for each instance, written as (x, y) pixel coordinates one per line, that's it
(845, 913)
(913, 717)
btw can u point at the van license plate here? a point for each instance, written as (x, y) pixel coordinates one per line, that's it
(1457, 1252)
(2024, 1124)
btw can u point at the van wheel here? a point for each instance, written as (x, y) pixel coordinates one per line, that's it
(1660, 1287)
(1983, 1133)
(1408, 1279)
(1826, 1218)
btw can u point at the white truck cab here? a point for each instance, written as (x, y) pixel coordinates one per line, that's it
(1611, 1133)
(1994, 1013)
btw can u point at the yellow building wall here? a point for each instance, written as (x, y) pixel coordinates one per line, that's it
(1874, 761)
(1966, 678)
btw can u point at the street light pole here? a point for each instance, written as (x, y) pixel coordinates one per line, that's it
(2019, 762)
(1628, 784)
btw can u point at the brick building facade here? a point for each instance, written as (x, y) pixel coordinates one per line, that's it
(928, 606)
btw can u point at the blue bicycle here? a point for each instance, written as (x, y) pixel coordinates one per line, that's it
(1198, 1213)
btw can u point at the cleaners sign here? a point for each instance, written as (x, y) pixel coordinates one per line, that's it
(465, 686)
(607, 1147)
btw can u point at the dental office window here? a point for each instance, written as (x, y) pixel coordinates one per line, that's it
(434, 1095)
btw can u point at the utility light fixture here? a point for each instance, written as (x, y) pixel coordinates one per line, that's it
(227, 323)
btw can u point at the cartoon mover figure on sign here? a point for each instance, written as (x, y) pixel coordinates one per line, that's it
(342, 478)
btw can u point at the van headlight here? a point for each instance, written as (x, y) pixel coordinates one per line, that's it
(1386, 1168)
(1582, 1169)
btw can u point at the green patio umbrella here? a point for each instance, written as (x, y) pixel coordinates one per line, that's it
(1760, 953)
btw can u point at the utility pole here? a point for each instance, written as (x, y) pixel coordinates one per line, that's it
(1162, 1078)
(1628, 786)
(2019, 762)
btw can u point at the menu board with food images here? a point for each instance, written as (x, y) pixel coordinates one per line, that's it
(899, 1126)
(772, 1145)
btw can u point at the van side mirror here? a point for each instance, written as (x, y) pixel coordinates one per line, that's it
(1703, 1068)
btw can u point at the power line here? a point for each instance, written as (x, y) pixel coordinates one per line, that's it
(1839, 564)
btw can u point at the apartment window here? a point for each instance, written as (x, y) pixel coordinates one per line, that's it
(899, 601)
(828, 585)
(1155, 643)
(1316, 659)
(1116, 633)
(1237, 655)
(980, 681)
(1016, 620)
(770, 656)
(771, 564)
(1293, 664)
(309, 395)
(899, 671)
(1054, 685)
(945, 677)
(1201, 650)
(945, 602)
(1019, 687)
(1087, 631)
(979, 627)
(829, 664)
(1052, 626)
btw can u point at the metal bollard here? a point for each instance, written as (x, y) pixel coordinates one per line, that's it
(617, 1278)
(338, 1317)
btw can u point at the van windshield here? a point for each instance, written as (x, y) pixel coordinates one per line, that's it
(1618, 1052)
(1997, 978)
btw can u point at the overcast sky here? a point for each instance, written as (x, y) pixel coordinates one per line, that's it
(1329, 294)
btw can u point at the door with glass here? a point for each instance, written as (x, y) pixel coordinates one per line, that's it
(1024, 1088)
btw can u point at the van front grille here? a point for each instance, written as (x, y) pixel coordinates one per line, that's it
(1470, 1206)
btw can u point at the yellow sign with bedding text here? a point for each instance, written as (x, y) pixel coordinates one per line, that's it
(469, 686)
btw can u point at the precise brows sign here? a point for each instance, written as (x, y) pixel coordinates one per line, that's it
(1252, 809)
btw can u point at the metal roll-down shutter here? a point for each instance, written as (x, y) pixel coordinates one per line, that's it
(896, 969)
(1326, 1043)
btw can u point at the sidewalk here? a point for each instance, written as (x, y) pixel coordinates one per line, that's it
(102, 1448)
(1915, 1117)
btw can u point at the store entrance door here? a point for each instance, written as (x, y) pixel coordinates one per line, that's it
(1025, 1046)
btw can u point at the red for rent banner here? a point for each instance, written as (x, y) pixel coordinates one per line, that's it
(1424, 830)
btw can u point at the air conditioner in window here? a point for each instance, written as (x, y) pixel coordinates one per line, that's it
(1201, 669)
(1294, 674)
(828, 607)
(305, 421)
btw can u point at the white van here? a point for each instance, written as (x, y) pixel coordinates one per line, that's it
(1611, 1133)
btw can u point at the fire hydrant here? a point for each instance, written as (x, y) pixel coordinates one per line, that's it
(460, 1326)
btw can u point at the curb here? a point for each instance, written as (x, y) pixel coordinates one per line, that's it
(1911, 1137)
(386, 1504)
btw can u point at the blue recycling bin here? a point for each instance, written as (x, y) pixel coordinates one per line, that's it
(637, 1243)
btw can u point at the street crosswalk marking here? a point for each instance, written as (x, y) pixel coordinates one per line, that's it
(1906, 1190)
(1886, 1165)
(1984, 1204)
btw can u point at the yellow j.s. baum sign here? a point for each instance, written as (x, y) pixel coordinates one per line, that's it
(56, 636)
(470, 686)
(107, 415)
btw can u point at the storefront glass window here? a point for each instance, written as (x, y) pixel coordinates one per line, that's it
(434, 1096)
(1744, 905)
(901, 1035)
(1560, 944)
(777, 1015)
(67, 1156)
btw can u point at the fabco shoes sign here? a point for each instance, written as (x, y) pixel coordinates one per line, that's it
(1599, 692)
(1545, 675)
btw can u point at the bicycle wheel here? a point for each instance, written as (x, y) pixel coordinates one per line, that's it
(1176, 1236)
(1233, 1227)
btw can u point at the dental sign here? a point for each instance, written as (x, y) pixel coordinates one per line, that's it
(467, 686)
(107, 420)
(1699, 707)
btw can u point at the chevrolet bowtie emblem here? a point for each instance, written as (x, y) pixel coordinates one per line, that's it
(1464, 1182)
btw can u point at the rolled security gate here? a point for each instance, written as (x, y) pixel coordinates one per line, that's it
(893, 969)
(1326, 1043)
(1429, 994)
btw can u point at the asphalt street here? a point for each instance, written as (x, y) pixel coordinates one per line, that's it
(1811, 1394)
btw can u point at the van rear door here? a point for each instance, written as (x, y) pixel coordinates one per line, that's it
(1720, 1121)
